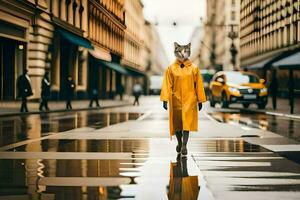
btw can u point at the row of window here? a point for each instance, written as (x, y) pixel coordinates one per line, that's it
(116, 7)
(70, 11)
(103, 31)
(256, 43)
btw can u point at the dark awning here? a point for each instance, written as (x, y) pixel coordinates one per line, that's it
(290, 62)
(134, 72)
(115, 66)
(264, 63)
(75, 39)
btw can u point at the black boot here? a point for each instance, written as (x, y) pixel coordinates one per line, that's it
(185, 136)
(179, 140)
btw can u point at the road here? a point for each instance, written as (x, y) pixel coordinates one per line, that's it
(126, 153)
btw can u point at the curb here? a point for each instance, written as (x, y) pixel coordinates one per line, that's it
(60, 110)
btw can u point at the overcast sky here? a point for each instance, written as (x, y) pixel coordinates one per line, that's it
(186, 13)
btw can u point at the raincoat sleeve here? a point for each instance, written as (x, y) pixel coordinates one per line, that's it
(199, 87)
(166, 88)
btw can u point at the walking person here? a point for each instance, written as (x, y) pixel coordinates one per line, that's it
(94, 96)
(137, 92)
(120, 91)
(24, 89)
(183, 90)
(274, 90)
(45, 94)
(70, 88)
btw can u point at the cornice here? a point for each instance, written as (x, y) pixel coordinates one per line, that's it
(108, 14)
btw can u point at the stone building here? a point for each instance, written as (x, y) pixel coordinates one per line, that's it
(270, 32)
(101, 44)
(221, 21)
(106, 30)
(43, 35)
(134, 43)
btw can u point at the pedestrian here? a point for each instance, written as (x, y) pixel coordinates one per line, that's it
(274, 90)
(45, 94)
(121, 91)
(94, 97)
(182, 89)
(137, 92)
(70, 88)
(24, 89)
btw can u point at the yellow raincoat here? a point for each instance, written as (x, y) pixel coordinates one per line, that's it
(183, 89)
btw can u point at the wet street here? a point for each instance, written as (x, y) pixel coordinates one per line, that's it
(126, 153)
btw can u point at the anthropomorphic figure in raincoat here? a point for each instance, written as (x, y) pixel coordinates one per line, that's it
(183, 89)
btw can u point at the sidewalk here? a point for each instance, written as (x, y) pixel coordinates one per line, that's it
(9, 108)
(283, 108)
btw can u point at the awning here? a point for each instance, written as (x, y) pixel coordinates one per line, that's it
(290, 62)
(100, 54)
(263, 64)
(115, 66)
(75, 39)
(135, 72)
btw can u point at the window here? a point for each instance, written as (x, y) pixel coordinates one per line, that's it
(80, 68)
(233, 15)
(233, 3)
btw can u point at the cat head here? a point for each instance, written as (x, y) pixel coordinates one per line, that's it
(182, 52)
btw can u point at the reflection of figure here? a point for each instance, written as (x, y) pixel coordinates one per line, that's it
(181, 185)
(70, 87)
(183, 89)
(24, 89)
(137, 92)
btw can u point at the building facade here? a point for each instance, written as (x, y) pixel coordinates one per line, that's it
(104, 45)
(270, 31)
(221, 23)
(268, 27)
(106, 30)
(43, 36)
(134, 44)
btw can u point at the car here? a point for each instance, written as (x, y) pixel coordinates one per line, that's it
(227, 87)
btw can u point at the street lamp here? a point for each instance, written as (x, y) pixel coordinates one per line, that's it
(233, 50)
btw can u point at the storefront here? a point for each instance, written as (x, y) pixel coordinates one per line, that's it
(70, 59)
(13, 53)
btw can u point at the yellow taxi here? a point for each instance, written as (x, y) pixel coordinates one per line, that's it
(228, 87)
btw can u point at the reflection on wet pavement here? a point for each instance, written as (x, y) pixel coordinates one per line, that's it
(181, 185)
(286, 127)
(19, 128)
(152, 164)
(136, 145)
(250, 173)
(85, 146)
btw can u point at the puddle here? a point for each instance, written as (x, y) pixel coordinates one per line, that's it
(283, 126)
(15, 129)
(98, 179)
(136, 145)
(65, 145)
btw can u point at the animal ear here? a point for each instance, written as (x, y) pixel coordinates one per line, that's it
(176, 45)
(189, 45)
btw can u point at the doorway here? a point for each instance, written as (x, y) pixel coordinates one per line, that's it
(68, 65)
(12, 64)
